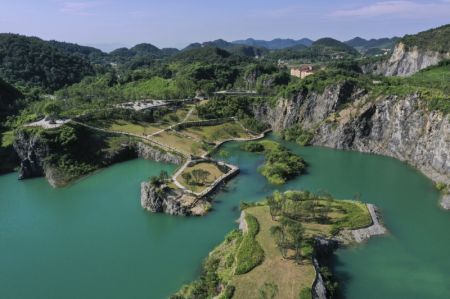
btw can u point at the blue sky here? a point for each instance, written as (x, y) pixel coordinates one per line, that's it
(176, 23)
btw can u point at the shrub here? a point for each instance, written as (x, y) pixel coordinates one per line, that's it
(297, 134)
(249, 254)
(253, 147)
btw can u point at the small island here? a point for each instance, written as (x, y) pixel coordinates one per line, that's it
(280, 248)
(280, 163)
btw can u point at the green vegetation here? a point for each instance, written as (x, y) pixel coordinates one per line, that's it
(32, 61)
(431, 84)
(268, 291)
(253, 146)
(217, 133)
(201, 175)
(249, 254)
(74, 151)
(305, 293)
(436, 39)
(280, 164)
(217, 269)
(324, 49)
(297, 134)
(281, 233)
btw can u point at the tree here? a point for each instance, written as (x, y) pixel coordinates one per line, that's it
(164, 176)
(296, 231)
(187, 176)
(52, 111)
(155, 181)
(200, 175)
(274, 207)
(309, 208)
(278, 234)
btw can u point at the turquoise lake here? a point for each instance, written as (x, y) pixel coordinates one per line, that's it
(93, 240)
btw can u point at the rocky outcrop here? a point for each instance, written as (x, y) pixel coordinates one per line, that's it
(402, 128)
(32, 151)
(319, 291)
(307, 108)
(36, 153)
(161, 200)
(405, 61)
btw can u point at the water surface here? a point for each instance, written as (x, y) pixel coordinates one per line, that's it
(93, 240)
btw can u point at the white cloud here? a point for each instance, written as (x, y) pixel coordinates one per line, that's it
(80, 8)
(398, 9)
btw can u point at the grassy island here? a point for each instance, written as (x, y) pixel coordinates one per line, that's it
(200, 176)
(271, 256)
(280, 164)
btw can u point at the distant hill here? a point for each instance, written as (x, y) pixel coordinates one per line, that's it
(275, 44)
(141, 55)
(334, 45)
(372, 46)
(437, 39)
(321, 50)
(33, 61)
(89, 53)
(204, 54)
(241, 50)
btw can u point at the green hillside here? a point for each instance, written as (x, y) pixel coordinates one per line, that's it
(32, 61)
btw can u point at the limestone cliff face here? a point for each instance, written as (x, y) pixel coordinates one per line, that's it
(406, 62)
(32, 152)
(307, 108)
(160, 200)
(402, 128)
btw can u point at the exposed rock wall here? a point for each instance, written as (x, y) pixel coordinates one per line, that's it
(161, 200)
(402, 128)
(405, 62)
(32, 152)
(307, 108)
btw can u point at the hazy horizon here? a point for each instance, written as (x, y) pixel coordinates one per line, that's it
(110, 24)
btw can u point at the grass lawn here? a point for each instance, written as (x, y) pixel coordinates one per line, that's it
(212, 168)
(183, 143)
(289, 276)
(218, 133)
(139, 128)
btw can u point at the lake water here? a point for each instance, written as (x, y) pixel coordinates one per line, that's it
(93, 239)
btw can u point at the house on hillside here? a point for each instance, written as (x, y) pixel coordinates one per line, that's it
(302, 71)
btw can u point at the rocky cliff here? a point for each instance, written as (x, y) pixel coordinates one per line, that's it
(32, 152)
(161, 200)
(346, 118)
(405, 61)
(39, 156)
